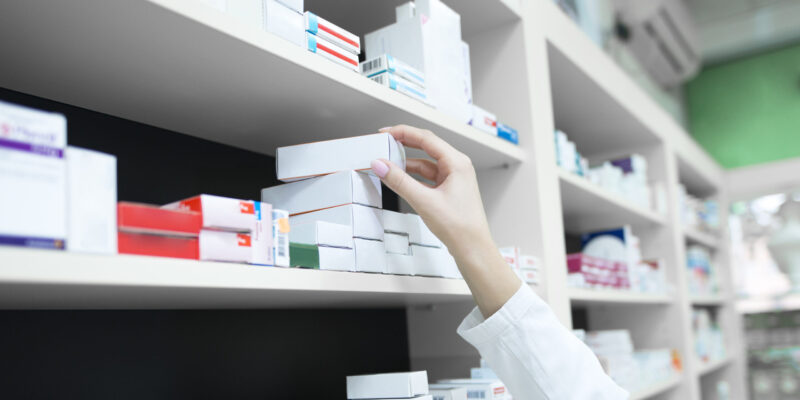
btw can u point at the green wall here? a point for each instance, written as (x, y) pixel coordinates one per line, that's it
(748, 111)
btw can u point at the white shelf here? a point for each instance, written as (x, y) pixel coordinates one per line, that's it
(708, 300)
(709, 367)
(44, 279)
(694, 235)
(656, 389)
(195, 70)
(588, 207)
(590, 296)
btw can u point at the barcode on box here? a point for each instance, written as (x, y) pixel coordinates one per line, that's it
(370, 65)
(382, 79)
(282, 245)
(476, 394)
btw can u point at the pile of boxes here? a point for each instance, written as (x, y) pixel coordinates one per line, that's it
(698, 213)
(528, 268)
(709, 342)
(396, 74)
(701, 275)
(611, 259)
(331, 42)
(482, 384)
(632, 370)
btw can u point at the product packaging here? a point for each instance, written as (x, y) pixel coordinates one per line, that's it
(221, 5)
(432, 261)
(370, 256)
(158, 246)
(33, 178)
(401, 85)
(488, 389)
(320, 158)
(91, 201)
(225, 246)
(332, 33)
(392, 385)
(529, 269)
(593, 272)
(321, 233)
(617, 245)
(508, 133)
(340, 188)
(280, 238)
(395, 67)
(484, 120)
(261, 235)
(331, 51)
(148, 219)
(396, 243)
(295, 5)
(323, 258)
(400, 264)
(366, 221)
(453, 393)
(411, 225)
(284, 21)
(220, 213)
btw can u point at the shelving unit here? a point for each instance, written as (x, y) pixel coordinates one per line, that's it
(195, 71)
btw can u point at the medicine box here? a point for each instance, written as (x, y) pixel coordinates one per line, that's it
(225, 246)
(280, 237)
(320, 257)
(432, 261)
(332, 33)
(321, 233)
(284, 21)
(331, 51)
(295, 5)
(340, 188)
(508, 133)
(400, 264)
(411, 225)
(370, 256)
(221, 213)
(91, 201)
(33, 178)
(396, 243)
(387, 63)
(261, 235)
(401, 85)
(148, 219)
(488, 389)
(484, 120)
(158, 246)
(391, 385)
(454, 393)
(320, 158)
(366, 222)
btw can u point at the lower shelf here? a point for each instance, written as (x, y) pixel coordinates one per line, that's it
(589, 296)
(711, 366)
(46, 279)
(656, 389)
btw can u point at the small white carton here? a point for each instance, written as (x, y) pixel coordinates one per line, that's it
(332, 33)
(220, 213)
(453, 393)
(366, 222)
(321, 233)
(336, 259)
(284, 22)
(320, 158)
(391, 385)
(484, 120)
(400, 264)
(401, 85)
(225, 246)
(370, 256)
(411, 225)
(396, 243)
(387, 63)
(248, 12)
(295, 5)
(433, 261)
(33, 177)
(261, 235)
(91, 201)
(280, 238)
(332, 52)
(340, 188)
(489, 389)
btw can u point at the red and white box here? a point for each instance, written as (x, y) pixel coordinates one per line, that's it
(327, 49)
(220, 213)
(484, 120)
(225, 246)
(149, 219)
(321, 28)
(596, 272)
(529, 269)
(158, 246)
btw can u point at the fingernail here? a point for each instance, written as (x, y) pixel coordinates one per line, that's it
(385, 128)
(379, 168)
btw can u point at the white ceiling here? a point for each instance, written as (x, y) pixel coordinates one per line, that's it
(734, 28)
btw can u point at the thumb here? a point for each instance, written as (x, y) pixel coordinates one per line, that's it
(399, 181)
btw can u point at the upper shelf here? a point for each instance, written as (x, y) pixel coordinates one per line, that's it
(593, 296)
(197, 71)
(46, 279)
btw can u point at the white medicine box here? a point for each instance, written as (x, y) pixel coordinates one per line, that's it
(345, 187)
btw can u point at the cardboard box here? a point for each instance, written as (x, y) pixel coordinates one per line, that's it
(340, 188)
(366, 222)
(148, 219)
(370, 256)
(158, 246)
(321, 158)
(387, 63)
(401, 85)
(411, 225)
(284, 21)
(321, 233)
(400, 264)
(91, 201)
(261, 235)
(508, 133)
(392, 385)
(295, 5)
(332, 33)
(220, 213)
(484, 120)
(432, 261)
(396, 243)
(225, 246)
(323, 258)
(33, 178)
(331, 51)
(488, 389)
(280, 238)
(455, 393)
(530, 269)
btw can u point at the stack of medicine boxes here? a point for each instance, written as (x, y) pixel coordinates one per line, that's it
(397, 385)
(397, 75)
(283, 18)
(335, 211)
(331, 41)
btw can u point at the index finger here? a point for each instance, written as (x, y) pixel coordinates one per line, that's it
(421, 139)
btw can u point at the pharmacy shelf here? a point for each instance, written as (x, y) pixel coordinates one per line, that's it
(43, 279)
(589, 296)
(696, 236)
(197, 71)
(656, 389)
(754, 305)
(709, 367)
(589, 207)
(708, 300)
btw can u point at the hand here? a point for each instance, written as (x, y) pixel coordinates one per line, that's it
(453, 210)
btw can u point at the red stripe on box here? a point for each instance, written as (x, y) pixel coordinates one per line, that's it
(159, 246)
(144, 218)
(338, 35)
(336, 54)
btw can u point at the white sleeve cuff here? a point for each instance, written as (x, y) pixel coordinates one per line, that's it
(476, 330)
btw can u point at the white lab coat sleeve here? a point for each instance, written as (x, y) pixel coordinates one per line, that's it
(535, 355)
